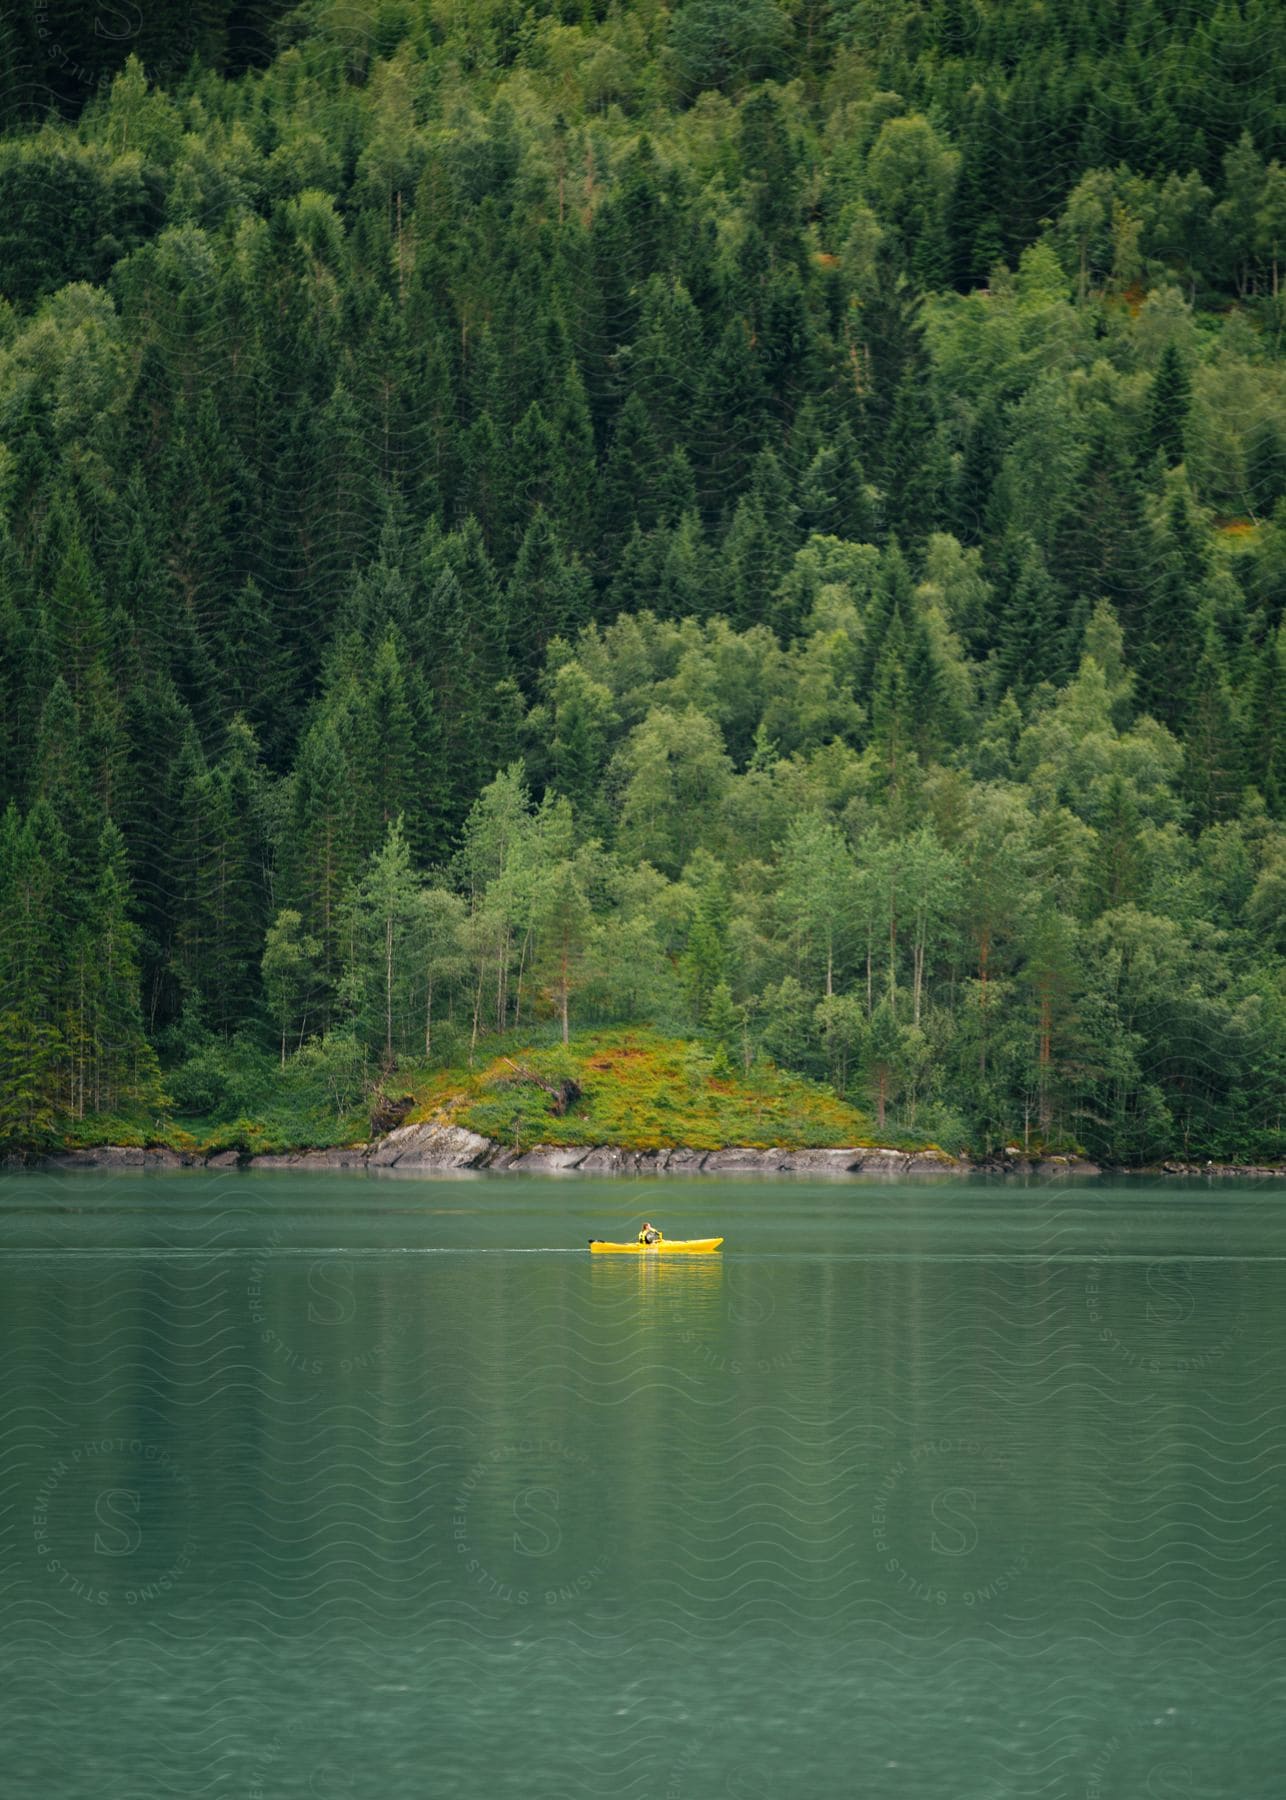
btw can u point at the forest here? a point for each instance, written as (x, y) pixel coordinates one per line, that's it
(764, 519)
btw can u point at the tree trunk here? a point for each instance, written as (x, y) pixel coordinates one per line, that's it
(401, 264)
(502, 981)
(477, 1008)
(893, 953)
(388, 991)
(566, 988)
(522, 963)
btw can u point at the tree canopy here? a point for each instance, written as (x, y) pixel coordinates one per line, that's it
(763, 518)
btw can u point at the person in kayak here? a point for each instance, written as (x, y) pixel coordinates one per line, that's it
(649, 1235)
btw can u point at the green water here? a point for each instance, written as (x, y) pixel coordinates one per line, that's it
(319, 1486)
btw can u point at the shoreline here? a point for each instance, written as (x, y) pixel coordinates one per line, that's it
(436, 1149)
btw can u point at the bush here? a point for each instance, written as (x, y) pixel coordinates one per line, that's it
(330, 1072)
(225, 1079)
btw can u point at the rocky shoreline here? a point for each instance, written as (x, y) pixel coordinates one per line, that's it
(430, 1148)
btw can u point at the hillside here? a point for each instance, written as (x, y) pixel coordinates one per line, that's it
(643, 1092)
(762, 524)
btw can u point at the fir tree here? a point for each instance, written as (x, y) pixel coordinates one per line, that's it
(1168, 408)
(627, 486)
(1213, 769)
(1031, 645)
(1265, 720)
(913, 469)
(548, 596)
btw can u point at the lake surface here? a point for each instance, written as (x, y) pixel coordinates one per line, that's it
(357, 1487)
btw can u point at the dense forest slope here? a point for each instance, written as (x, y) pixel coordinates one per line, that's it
(764, 519)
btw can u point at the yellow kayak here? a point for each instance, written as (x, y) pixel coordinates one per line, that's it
(674, 1246)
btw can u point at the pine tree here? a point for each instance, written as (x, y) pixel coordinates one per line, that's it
(256, 678)
(934, 721)
(533, 459)
(893, 712)
(583, 721)
(627, 485)
(1172, 640)
(14, 644)
(60, 778)
(231, 893)
(124, 1066)
(148, 416)
(30, 1055)
(729, 416)
(138, 574)
(770, 486)
(346, 495)
(577, 465)
(548, 596)
(676, 491)
(833, 499)
(1168, 408)
(751, 564)
(148, 812)
(685, 585)
(706, 954)
(1213, 770)
(1104, 547)
(322, 852)
(486, 488)
(770, 165)
(28, 920)
(1030, 642)
(893, 594)
(205, 483)
(666, 357)
(460, 642)
(979, 468)
(381, 752)
(635, 583)
(80, 618)
(1118, 871)
(977, 235)
(723, 1026)
(914, 473)
(1265, 721)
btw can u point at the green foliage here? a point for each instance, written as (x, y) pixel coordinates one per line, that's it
(726, 43)
(643, 1091)
(761, 519)
(289, 973)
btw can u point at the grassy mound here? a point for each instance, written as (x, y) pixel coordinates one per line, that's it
(640, 1090)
